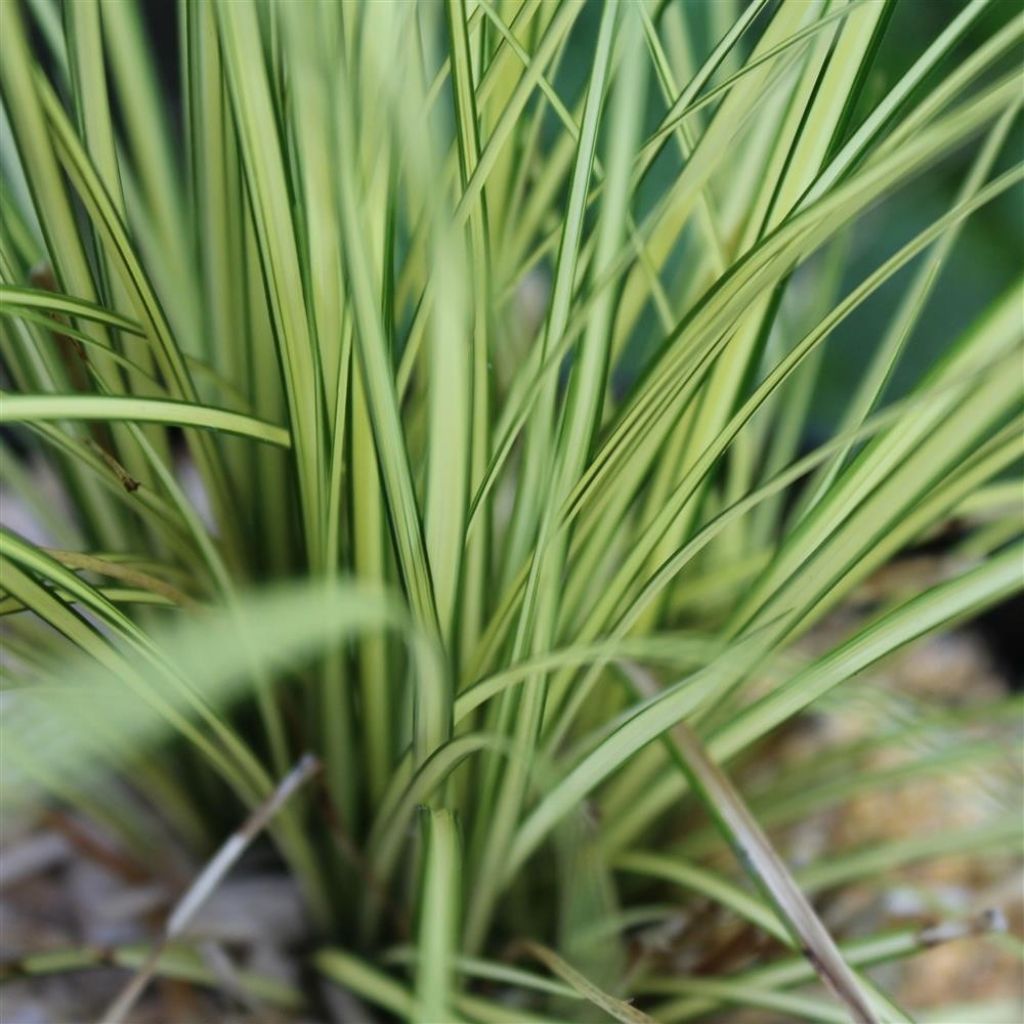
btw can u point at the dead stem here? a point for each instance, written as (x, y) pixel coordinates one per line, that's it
(209, 878)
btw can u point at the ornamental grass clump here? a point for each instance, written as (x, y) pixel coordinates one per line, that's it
(413, 413)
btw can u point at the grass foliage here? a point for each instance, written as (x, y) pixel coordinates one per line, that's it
(429, 387)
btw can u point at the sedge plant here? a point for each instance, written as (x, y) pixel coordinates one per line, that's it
(429, 389)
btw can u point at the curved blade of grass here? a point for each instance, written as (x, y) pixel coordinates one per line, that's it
(490, 970)
(708, 884)
(41, 408)
(129, 574)
(382, 990)
(65, 305)
(678, 650)
(115, 595)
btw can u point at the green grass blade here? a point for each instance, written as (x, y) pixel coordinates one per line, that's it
(439, 915)
(42, 408)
